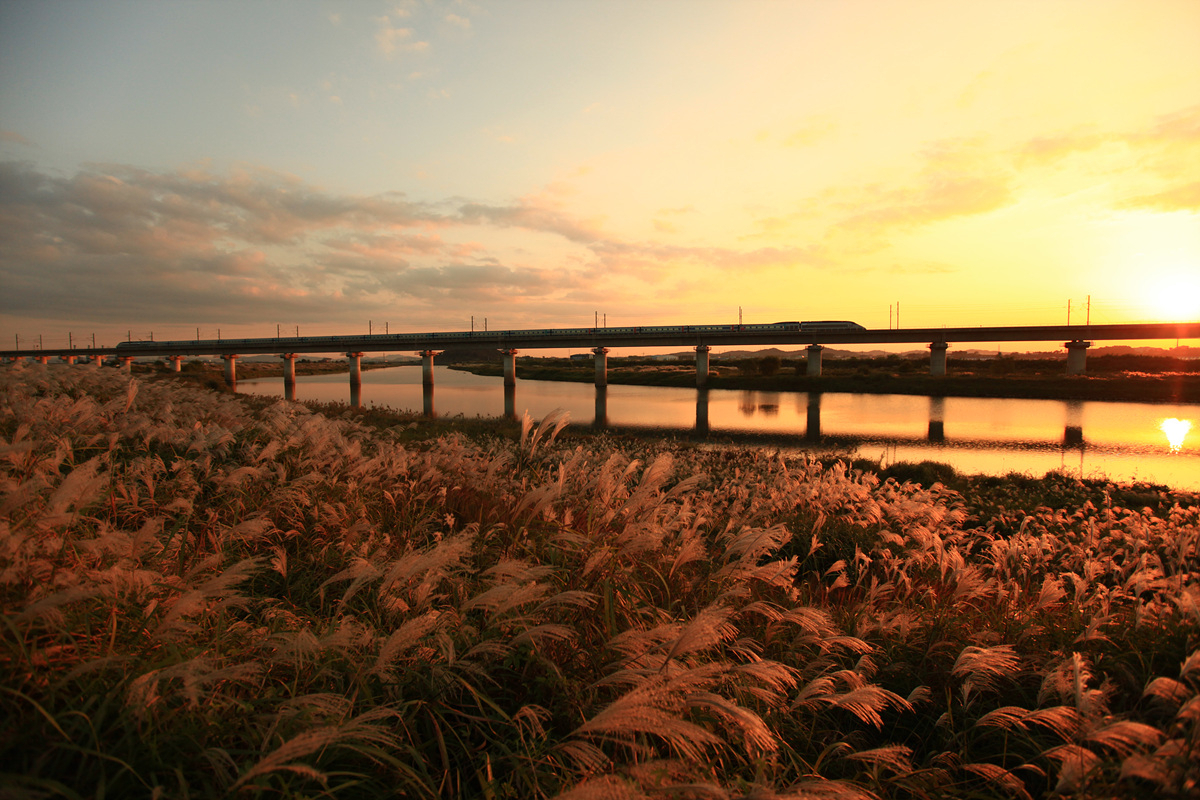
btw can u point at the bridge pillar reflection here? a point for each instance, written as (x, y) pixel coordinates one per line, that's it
(510, 401)
(702, 366)
(937, 358)
(814, 360)
(1077, 356)
(230, 368)
(702, 411)
(510, 367)
(812, 431)
(601, 418)
(427, 357)
(1073, 427)
(427, 400)
(937, 419)
(601, 366)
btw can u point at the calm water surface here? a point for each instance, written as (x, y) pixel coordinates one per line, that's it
(1122, 441)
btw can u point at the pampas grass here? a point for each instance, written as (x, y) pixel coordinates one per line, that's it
(208, 595)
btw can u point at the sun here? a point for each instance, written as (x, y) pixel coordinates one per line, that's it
(1174, 296)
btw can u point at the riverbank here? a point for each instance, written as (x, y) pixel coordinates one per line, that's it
(887, 376)
(211, 594)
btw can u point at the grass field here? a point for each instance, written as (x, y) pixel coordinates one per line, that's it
(209, 595)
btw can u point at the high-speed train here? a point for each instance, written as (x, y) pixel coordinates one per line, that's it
(399, 339)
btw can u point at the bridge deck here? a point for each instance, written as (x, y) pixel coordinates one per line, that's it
(604, 337)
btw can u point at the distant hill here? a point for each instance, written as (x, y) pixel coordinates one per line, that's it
(972, 353)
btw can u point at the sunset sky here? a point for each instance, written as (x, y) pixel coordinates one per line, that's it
(173, 166)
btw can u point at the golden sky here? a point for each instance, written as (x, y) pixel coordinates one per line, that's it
(168, 166)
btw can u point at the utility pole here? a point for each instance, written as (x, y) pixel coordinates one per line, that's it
(1088, 320)
(276, 330)
(472, 323)
(368, 327)
(70, 341)
(1068, 312)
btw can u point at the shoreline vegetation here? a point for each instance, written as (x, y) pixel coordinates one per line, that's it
(215, 595)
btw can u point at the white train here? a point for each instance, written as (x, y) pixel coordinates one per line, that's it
(400, 339)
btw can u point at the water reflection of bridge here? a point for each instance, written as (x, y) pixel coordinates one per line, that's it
(1072, 438)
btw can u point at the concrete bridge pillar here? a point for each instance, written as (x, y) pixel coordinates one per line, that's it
(176, 363)
(68, 359)
(230, 368)
(601, 365)
(427, 357)
(814, 360)
(937, 419)
(98, 360)
(702, 366)
(510, 367)
(42, 359)
(937, 358)
(289, 368)
(1077, 356)
(355, 368)
(127, 365)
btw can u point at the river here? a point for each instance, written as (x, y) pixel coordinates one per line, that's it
(1158, 443)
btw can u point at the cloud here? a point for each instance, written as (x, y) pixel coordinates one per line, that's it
(392, 40)
(1046, 149)
(533, 216)
(1185, 197)
(458, 22)
(814, 130)
(16, 138)
(114, 242)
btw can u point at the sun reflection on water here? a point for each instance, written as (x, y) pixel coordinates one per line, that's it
(1175, 431)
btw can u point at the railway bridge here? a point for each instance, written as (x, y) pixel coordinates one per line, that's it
(814, 335)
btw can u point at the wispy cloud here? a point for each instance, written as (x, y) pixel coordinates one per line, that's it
(1185, 197)
(392, 40)
(16, 138)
